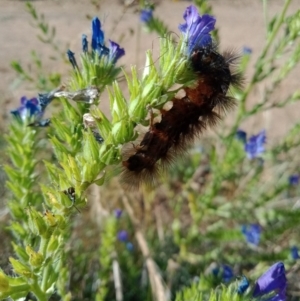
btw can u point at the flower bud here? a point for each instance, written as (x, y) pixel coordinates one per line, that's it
(35, 258)
(118, 104)
(36, 222)
(4, 283)
(122, 132)
(109, 154)
(50, 218)
(20, 268)
(52, 245)
(20, 251)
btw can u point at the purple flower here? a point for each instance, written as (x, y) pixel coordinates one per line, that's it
(115, 52)
(252, 233)
(273, 280)
(146, 15)
(29, 108)
(122, 236)
(294, 180)
(295, 253)
(118, 212)
(241, 135)
(72, 59)
(225, 272)
(255, 145)
(197, 29)
(98, 38)
(85, 44)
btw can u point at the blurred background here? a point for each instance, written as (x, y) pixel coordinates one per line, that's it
(240, 23)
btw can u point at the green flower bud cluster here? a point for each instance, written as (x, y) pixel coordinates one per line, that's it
(96, 71)
(37, 267)
(82, 157)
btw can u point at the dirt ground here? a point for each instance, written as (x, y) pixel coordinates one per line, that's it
(240, 23)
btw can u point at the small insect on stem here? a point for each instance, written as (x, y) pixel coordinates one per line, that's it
(70, 193)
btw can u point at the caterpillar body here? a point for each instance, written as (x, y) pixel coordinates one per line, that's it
(202, 106)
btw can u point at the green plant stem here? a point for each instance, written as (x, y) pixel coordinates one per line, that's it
(41, 296)
(43, 246)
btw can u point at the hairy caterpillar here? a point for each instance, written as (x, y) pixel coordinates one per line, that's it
(201, 107)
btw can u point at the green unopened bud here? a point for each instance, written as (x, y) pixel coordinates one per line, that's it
(20, 268)
(89, 171)
(74, 168)
(4, 283)
(103, 123)
(52, 245)
(18, 230)
(35, 258)
(20, 252)
(52, 200)
(118, 104)
(50, 218)
(109, 154)
(182, 73)
(122, 132)
(90, 148)
(36, 222)
(61, 221)
(137, 109)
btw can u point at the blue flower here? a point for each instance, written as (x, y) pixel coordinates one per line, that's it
(273, 280)
(115, 52)
(118, 212)
(146, 15)
(294, 180)
(122, 236)
(252, 233)
(98, 38)
(225, 272)
(84, 41)
(255, 145)
(29, 109)
(72, 59)
(247, 50)
(295, 253)
(129, 246)
(242, 286)
(197, 29)
(241, 135)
